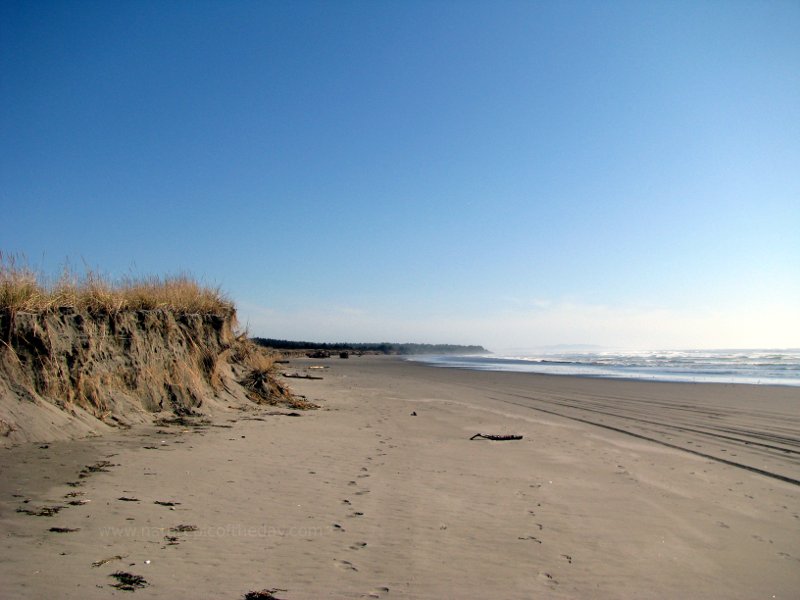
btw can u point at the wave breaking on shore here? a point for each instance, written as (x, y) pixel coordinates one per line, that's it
(763, 366)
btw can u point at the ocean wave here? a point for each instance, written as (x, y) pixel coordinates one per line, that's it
(730, 366)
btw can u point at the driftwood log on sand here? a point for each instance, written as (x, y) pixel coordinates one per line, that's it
(300, 376)
(497, 438)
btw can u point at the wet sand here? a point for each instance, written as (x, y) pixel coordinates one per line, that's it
(618, 489)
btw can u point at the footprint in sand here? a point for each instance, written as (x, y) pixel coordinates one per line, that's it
(546, 577)
(358, 545)
(362, 492)
(788, 556)
(530, 537)
(346, 565)
(377, 592)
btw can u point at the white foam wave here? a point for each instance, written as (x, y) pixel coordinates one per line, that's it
(761, 366)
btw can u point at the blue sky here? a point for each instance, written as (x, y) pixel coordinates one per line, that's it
(507, 173)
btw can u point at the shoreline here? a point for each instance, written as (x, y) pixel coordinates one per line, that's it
(782, 399)
(366, 499)
(747, 373)
(611, 377)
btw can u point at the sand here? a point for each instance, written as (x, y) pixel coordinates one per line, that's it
(618, 489)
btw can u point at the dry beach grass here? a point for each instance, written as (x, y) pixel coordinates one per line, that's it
(82, 353)
(23, 289)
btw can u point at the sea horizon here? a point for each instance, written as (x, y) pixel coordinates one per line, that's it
(752, 366)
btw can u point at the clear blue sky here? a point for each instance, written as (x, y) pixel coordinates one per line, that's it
(504, 173)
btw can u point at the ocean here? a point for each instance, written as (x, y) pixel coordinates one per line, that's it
(755, 367)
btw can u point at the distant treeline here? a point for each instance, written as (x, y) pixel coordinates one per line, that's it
(383, 347)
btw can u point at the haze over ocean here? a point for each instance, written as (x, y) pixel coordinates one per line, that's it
(511, 174)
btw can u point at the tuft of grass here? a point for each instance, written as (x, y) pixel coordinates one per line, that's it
(24, 290)
(260, 382)
(19, 285)
(262, 362)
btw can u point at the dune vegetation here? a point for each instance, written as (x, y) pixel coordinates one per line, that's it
(80, 353)
(23, 289)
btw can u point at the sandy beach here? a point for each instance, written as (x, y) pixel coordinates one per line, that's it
(618, 489)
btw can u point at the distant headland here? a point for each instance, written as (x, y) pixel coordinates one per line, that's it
(380, 348)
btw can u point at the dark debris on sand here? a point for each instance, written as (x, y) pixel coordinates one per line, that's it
(45, 511)
(189, 420)
(98, 467)
(263, 595)
(128, 581)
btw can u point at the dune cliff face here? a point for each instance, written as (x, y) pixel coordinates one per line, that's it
(67, 372)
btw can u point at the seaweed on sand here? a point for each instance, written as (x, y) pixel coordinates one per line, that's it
(101, 562)
(191, 420)
(45, 511)
(263, 595)
(128, 581)
(98, 467)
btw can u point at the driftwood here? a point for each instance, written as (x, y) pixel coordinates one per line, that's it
(497, 438)
(100, 563)
(300, 376)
